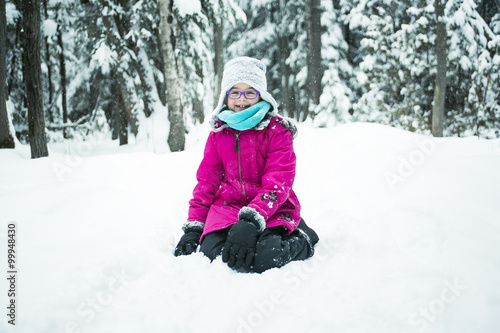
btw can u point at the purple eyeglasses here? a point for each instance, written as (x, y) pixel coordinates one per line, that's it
(249, 94)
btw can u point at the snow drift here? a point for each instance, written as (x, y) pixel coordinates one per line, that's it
(410, 236)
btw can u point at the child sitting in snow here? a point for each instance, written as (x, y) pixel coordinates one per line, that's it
(243, 206)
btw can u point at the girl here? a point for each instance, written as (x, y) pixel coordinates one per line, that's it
(243, 206)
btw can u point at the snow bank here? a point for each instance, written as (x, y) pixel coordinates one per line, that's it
(409, 228)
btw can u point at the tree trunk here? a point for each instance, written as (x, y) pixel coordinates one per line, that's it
(218, 56)
(119, 116)
(62, 74)
(314, 69)
(6, 137)
(115, 113)
(172, 69)
(33, 78)
(283, 54)
(122, 122)
(49, 66)
(127, 94)
(198, 107)
(438, 111)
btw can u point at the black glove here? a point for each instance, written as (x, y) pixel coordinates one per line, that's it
(239, 249)
(188, 243)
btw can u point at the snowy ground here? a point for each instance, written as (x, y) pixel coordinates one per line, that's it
(409, 228)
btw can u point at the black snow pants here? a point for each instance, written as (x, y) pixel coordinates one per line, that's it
(272, 249)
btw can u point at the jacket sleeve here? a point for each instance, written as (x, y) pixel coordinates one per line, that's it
(278, 178)
(209, 176)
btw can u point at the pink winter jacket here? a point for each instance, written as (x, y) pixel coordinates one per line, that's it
(254, 169)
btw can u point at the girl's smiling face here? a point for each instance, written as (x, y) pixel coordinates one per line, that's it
(242, 102)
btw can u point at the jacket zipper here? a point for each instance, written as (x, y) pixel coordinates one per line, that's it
(237, 148)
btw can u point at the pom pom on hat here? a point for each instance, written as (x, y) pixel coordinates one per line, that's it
(247, 70)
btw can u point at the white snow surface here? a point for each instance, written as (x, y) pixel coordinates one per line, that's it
(49, 28)
(188, 7)
(11, 13)
(409, 231)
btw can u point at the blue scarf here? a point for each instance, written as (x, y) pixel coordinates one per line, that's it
(246, 119)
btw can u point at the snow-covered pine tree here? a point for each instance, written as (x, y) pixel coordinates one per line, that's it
(120, 47)
(399, 61)
(203, 47)
(276, 33)
(198, 69)
(340, 80)
(57, 24)
(378, 58)
(493, 94)
(473, 104)
(143, 22)
(59, 59)
(290, 85)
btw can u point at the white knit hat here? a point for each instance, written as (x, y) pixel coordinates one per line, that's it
(247, 70)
